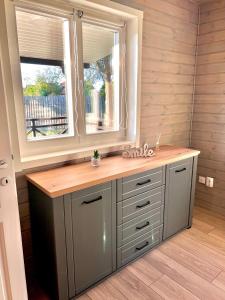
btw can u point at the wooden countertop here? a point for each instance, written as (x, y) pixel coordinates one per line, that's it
(64, 180)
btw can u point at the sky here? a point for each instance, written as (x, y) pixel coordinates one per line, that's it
(31, 71)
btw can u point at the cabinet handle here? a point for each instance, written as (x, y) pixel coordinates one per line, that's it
(144, 182)
(181, 170)
(91, 201)
(143, 205)
(142, 247)
(143, 226)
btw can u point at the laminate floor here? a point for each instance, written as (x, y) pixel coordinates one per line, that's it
(191, 265)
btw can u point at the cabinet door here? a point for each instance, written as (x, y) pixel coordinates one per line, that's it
(177, 197)
(92, 229)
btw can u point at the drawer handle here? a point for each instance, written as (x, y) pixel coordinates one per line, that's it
(143, 205)
(143, 226)
(181, 170)
(94, 200)
(144, 182)
(142, 247)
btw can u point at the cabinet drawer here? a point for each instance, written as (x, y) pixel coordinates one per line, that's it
(139, 226)
(140, 204)
(139, 183)
(139, 246)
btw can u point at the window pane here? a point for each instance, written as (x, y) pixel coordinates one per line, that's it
(44, 49)
(101, 78)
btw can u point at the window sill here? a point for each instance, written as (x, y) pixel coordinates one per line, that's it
(63, 156)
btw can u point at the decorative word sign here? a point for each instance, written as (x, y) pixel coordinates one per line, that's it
(144, 151)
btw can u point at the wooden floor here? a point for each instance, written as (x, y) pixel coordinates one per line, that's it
(191, 265)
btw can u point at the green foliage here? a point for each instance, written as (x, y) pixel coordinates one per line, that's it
(46, 83)
(30, 90)
(99, 71)
(102, 91)
(96, 154)
(44, 88)
(88, 87)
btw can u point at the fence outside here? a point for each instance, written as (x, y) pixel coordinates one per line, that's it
(46, 115)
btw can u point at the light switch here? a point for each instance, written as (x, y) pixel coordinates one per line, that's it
(210, 182)
(202, 180)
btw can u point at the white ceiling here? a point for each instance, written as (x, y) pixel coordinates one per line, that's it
(97, 42)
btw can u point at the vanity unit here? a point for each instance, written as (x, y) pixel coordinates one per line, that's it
(89, 222)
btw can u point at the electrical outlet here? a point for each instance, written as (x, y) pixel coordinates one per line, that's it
(202, 180)
(210, 182)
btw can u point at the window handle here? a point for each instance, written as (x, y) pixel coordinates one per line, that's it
(143, 205)
(142, 247)
(143, 226)
(94, 200)
(181, 170)
(144, 182)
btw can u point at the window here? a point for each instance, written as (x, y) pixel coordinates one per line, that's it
(76, 77)
(44, 49)
(101, 57)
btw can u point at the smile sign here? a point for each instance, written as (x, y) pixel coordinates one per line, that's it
(144, 151)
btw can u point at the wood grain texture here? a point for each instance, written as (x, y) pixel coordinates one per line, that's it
(170, 289)
(105, 291)
(208, 129)
(168, 66)
(64, 180)
(196, 264)
(144, 272)
(131, 287)
(220, 280)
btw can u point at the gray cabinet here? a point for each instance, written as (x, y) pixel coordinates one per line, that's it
(49, 242)
(74, 238)
(82, 237)
(135, 206)
(140, 207)
(138, 246)
(177, 197)
(138, 226)
(93, 236)
(140, 183)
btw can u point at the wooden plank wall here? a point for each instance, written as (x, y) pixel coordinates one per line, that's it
(209, 110)
(169, 47)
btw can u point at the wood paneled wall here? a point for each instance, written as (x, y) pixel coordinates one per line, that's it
(169, 48)
(209, 110)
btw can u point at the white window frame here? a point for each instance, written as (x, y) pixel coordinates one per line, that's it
(53, 150)
(108, 136)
